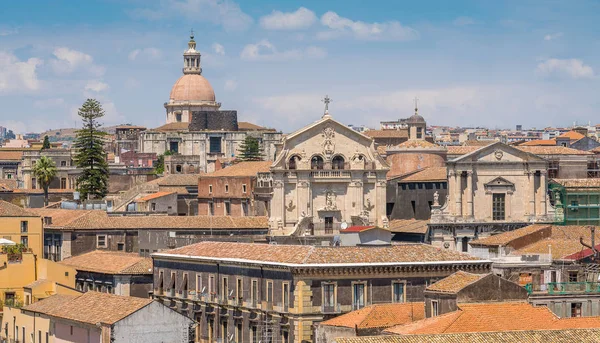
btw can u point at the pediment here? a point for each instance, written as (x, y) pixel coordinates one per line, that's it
(499, 182)
(499, 153)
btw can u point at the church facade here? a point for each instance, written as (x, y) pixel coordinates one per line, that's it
(197, 131)
(327, 177)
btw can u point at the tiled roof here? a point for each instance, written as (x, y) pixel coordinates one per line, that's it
(90, 307)
(10, 155)
(357, 229)
(177, 180)
(596, 150)
(505, 238)
(380, 316)
(8, 185)
(9, 210)
(416, 143)
(474, 142)
(110, 262)
(250, 168)
(427, 175)
(246, 126)
(461, 150)
(572, 135)
(492, 317)
(179, 126)
(455, 282)
(98, 219)
(311, 255)
(529, 336)
(408, 226)
(386, 133)
(153, 196)
(37, 283)
(552, 150)
(578, 183)
(540, 142)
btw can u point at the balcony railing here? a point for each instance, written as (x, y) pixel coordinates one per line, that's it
(564, 287)
(329, 174)
(322, 229)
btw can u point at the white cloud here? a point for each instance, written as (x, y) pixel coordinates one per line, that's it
(265, 51)
(8, 31)
(53, 102)
(149, 53)
(463, 21)
(218, 48)
(573, 68)
(17, 75)
(69, 60)
(96, 86)
(220, 12)
(230, 85)
(277, 20)
(553, 36)
(387, 31)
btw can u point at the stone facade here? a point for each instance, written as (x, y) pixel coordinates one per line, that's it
(66, 175)
(327, 174)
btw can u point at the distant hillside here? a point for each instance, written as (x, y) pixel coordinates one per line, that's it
(68, 134)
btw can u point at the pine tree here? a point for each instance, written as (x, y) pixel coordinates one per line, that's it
(250, 150)
(90, 156)
(46, 143)
(44, 171)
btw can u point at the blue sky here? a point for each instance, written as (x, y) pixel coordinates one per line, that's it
(486, 63)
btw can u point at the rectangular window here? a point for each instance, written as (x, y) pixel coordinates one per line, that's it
(398, 292)
(47, 338)
(209, 189)
(101, 241)
(239, 291)
(211, 324)
(33, 183)
(244, 188)
(254, 293)
(269, 292)
(174, 147)
(328, 225)
(211, 208)
(328, 297)
(63, 183)
(121, 247)
(572, 276)
(358, 296)
(153, 207)
(215, 145)
(199, 289)
(238, 333)
(63, 163)
(245, 208)
(226, 188)
(254, 334)
(227, 208)
(225, 288)
(498, 207)
(575, 309)
(24, 226)
(286, 296)
(434, 308)
(224, 331)
(25, 241)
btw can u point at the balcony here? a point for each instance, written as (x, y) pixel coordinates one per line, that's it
(560, 288)
(323, 229)
(323, 174)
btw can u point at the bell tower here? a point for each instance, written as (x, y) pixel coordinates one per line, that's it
(191, 58)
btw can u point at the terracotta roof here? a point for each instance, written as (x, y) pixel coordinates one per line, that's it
(387, 133)
(529, 336)
(578, 183)
(505, 238)
(552, 150)
(455, 282)
(90, 307)
(427, 175)
(492, 317)
(178, 126)
(572, 135)
(309, 255)
(177, 180)
(192, 87)
(380, 316)
(153, 196)
(98, 219)
(246, 126)
(416, 143)
(474, 142)
(9, 210)
(408, 226)
(110, 262)
(461, 150)
(540, 142)
(250, 168)
(37, 283)
(8, 185)
(596, 150)
(10, 155)
(357, 229)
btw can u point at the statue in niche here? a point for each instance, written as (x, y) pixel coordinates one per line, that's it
(330, 204)
(436, 199)
(368, 207)
(290, 207)
(328, 144)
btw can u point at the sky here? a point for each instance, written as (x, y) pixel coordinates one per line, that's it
(470, 63)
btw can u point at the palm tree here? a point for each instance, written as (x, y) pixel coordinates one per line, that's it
(45, 171)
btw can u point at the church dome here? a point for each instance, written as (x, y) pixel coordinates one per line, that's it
(192, 87)
(416, 119)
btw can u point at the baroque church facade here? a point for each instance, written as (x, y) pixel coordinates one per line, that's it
(327, 177)
(197, 131)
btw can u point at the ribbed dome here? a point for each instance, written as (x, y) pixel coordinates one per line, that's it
(192, 87)
(416, 119)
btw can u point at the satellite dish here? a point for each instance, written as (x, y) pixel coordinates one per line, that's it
(344, 225)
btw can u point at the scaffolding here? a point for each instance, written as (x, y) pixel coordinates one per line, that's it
(268, 330)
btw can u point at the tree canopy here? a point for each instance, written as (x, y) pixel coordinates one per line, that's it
(250, 150)
(46, 144)
(44, 171)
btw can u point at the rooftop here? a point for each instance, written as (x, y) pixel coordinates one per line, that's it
(552, 150)
(249, 168)
(416, 143)
(110, 262)
(408, 226)
(540, 142)
(9, 210)
(494, 317)
(572, 135)
(461, 150)
(90, 307)
(177, 180)
(427, 175)
(302, 255)
(177, 126)
(530, 336)
(578, 183)
(10, 155)
(456, 282)
(153, 196)
(505, 238)
(380, 316)
(387, 133)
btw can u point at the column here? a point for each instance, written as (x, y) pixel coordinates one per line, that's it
(543, 209)
(458, 193)
(470, 194)
(531, 194)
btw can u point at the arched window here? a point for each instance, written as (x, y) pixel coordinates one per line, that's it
(316, 162)
(178, 168)
(337, 162)
(292, 162)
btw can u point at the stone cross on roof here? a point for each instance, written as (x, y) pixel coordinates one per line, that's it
(326, 101)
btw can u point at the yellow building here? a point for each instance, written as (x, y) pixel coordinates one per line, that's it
(22, 227)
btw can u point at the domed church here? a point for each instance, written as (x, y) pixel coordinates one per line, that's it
(197, 131)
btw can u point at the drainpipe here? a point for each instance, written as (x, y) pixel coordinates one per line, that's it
(35, 268)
